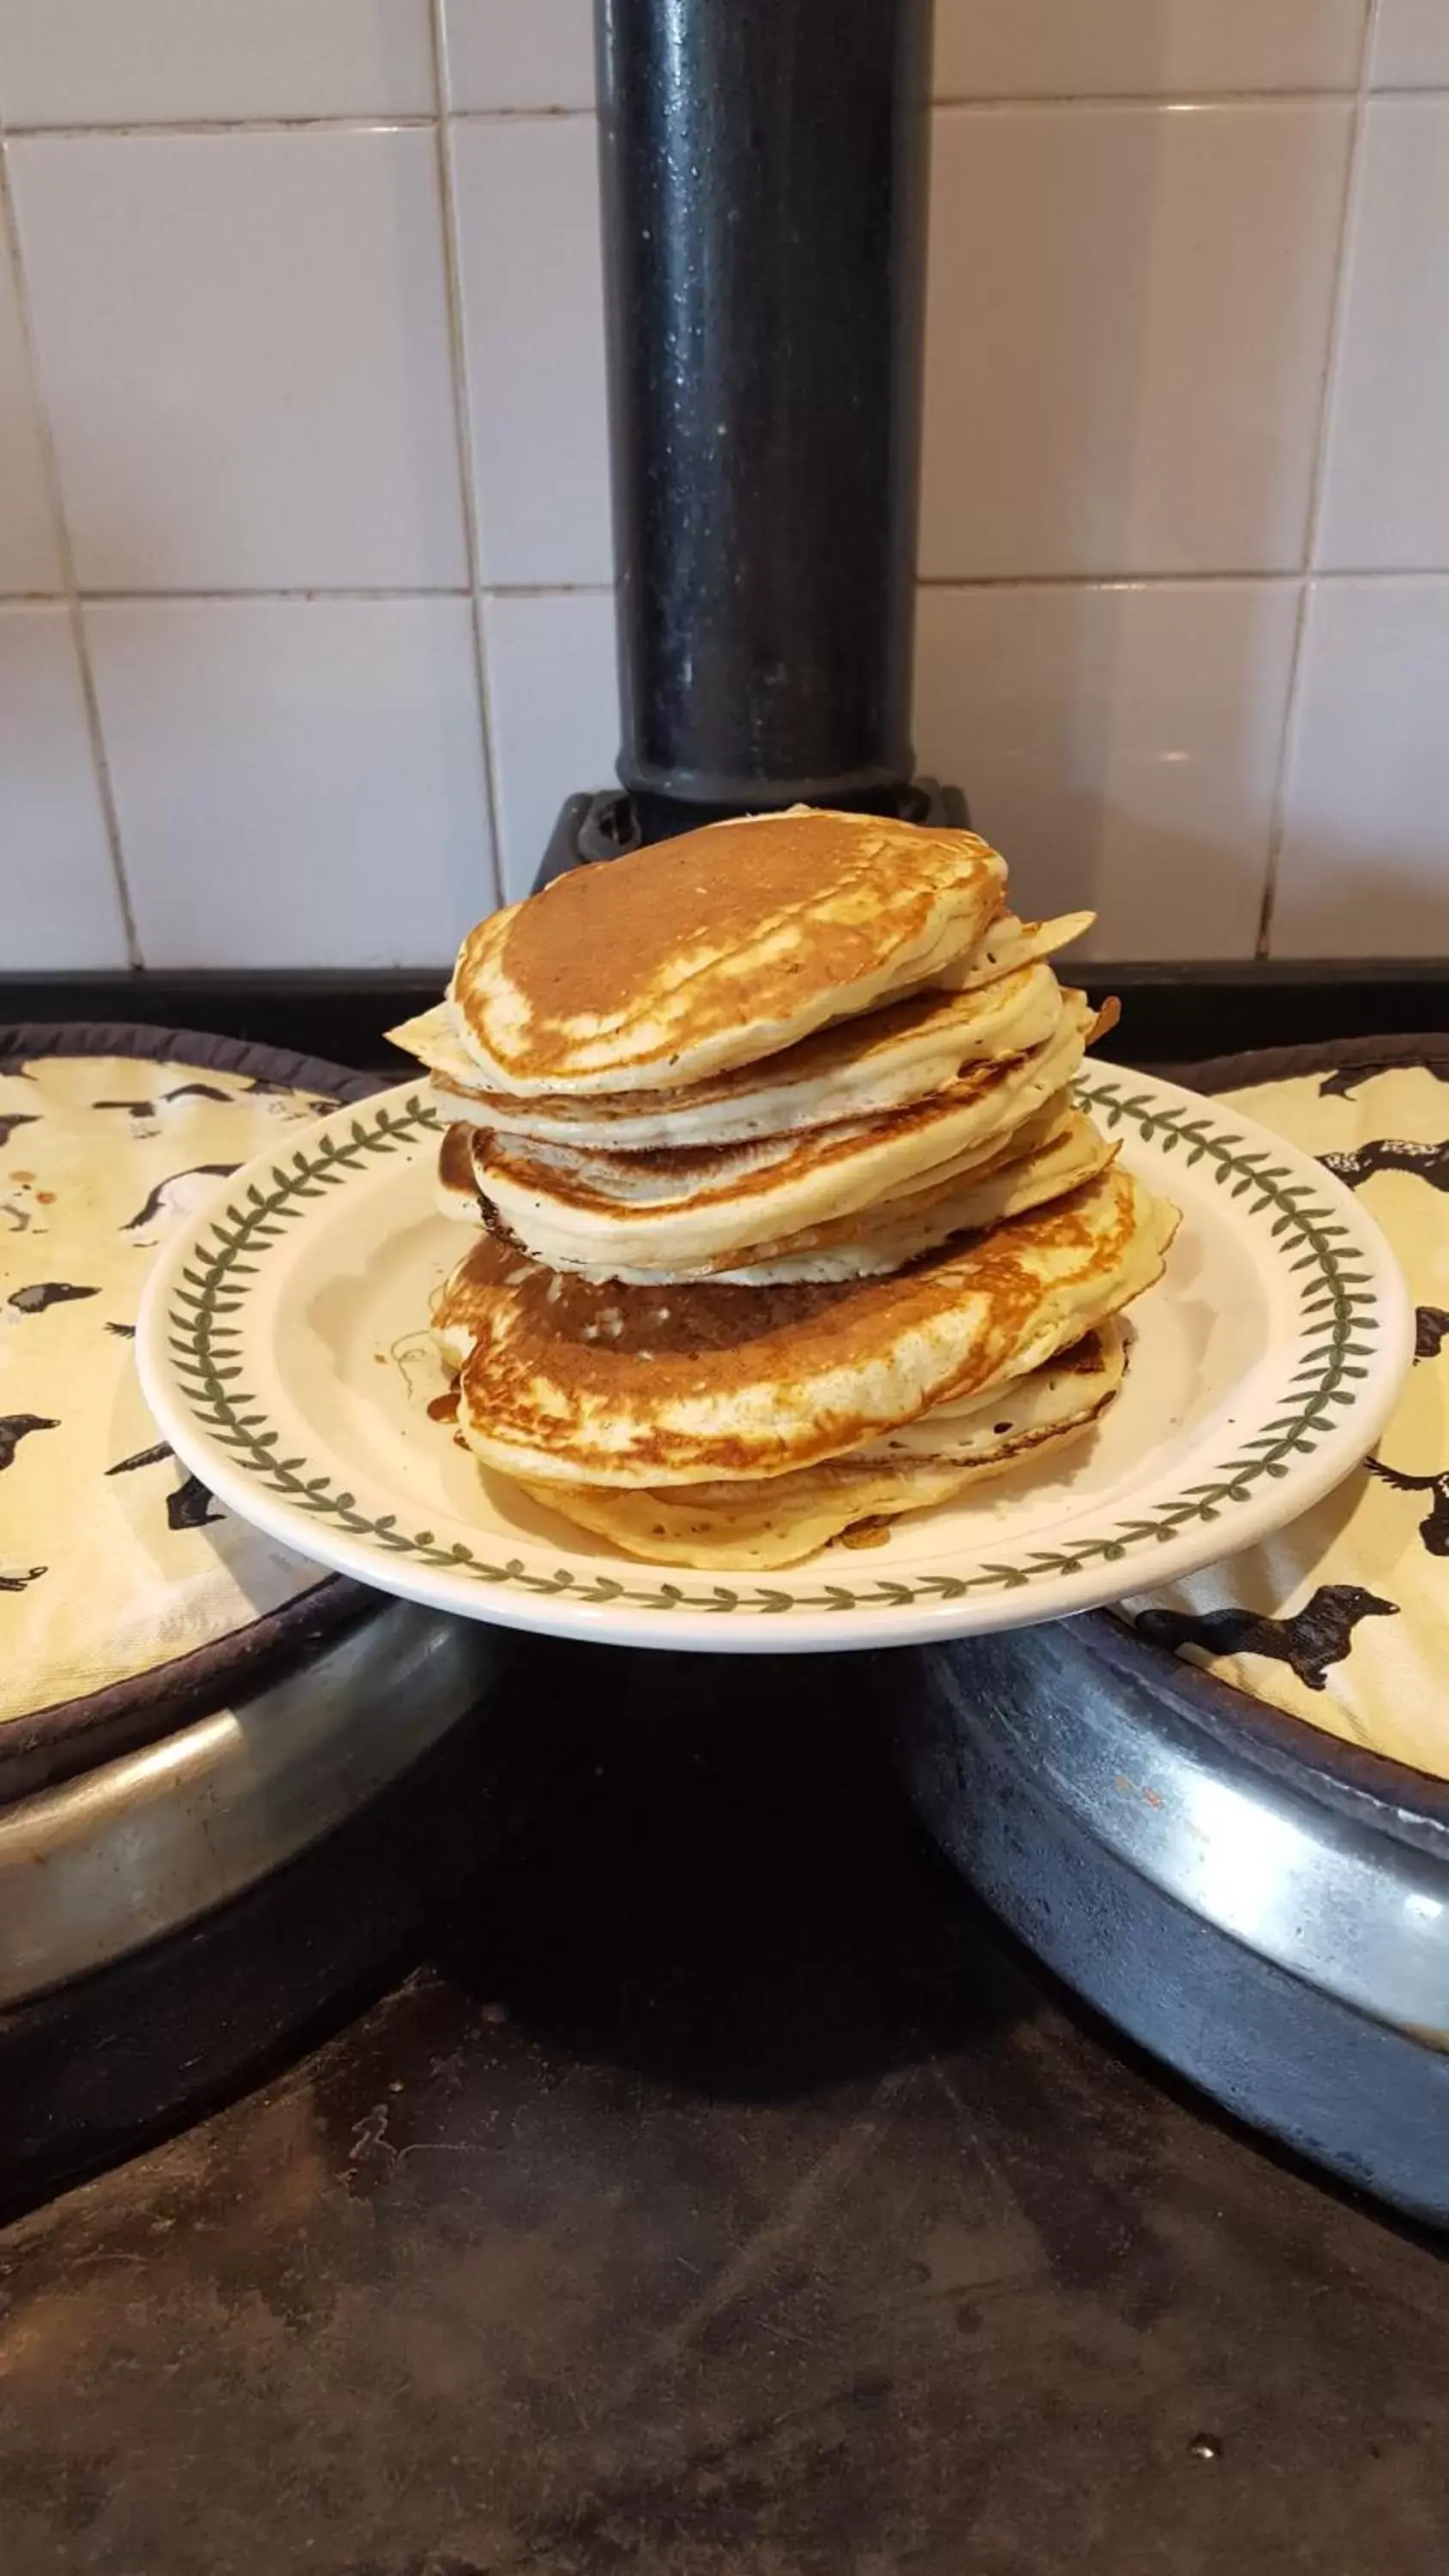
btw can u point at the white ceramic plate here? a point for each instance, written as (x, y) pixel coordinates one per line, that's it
(284, 1349)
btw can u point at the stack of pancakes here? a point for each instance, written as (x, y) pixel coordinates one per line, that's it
(789, 1221)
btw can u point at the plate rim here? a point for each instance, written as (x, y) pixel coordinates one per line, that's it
(186, 1332)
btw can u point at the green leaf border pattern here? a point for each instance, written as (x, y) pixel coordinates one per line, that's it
(1336, 1311)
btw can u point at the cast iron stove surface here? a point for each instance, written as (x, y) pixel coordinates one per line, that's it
(726, 2192)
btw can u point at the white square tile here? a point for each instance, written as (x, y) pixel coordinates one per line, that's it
(29, 559)
(1386, 495)
(244, 343)
(553, 696)
(1130, 48)
(1411, 45)
(133, 62)
(533, 311)
(299, 782)
(1119, 745)
(504, 55)
(1364, 870)
(1128, 318)
(58, 893)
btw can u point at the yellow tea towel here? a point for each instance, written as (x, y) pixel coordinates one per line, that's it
(113, 1560)
(1343, 1617)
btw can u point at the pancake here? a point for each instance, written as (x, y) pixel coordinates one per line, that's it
(855, 1068)
(919, 1221)
(1055, 1152)
(678, 1212)
(1076, 1386)
(567, 1381)
(1010, 943)
(706, 952)
(755, 1528)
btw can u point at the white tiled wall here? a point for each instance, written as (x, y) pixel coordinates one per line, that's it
(305, 623)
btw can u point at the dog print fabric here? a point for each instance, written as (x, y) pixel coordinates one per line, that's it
(112, 1559)
(1343, 1618)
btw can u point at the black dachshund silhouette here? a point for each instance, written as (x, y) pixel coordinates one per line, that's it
(8, 1124)
(40, 1293)
(1434, 1531)
(1391, 1154)
(130, 1108)
(141, 1458)
(1431, 1323)
(189, 1507)
(1344, 1084)
(204, 1091)
(1314, 1637)
(182, 1091)
(14, 1428)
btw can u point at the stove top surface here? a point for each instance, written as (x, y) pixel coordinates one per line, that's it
(725, 2192)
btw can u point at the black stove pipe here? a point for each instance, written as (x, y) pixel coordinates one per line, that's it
(764, 167)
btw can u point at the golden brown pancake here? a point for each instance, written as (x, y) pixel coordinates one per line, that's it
(1075, 1386)
(712, 950)
(758, 1527)
(674, 1212)
(1054, 1152)
(854, 1068)
(564, 1380)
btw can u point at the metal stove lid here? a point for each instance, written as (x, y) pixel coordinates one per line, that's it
(1261, 1904)
(138, 1847)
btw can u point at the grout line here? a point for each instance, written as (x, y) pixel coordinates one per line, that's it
(1096, 580)
(1278, 809)
(517, 115)
(549, 589)
(1171, 580)
(1322, 579)
(238, 597)
(1172, 100)
(463, 422)
(1317, 487)
(1055, 100)
(395, 590)
(55, 495)
(1321, 573)
(1333, 350)
(141, 129)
